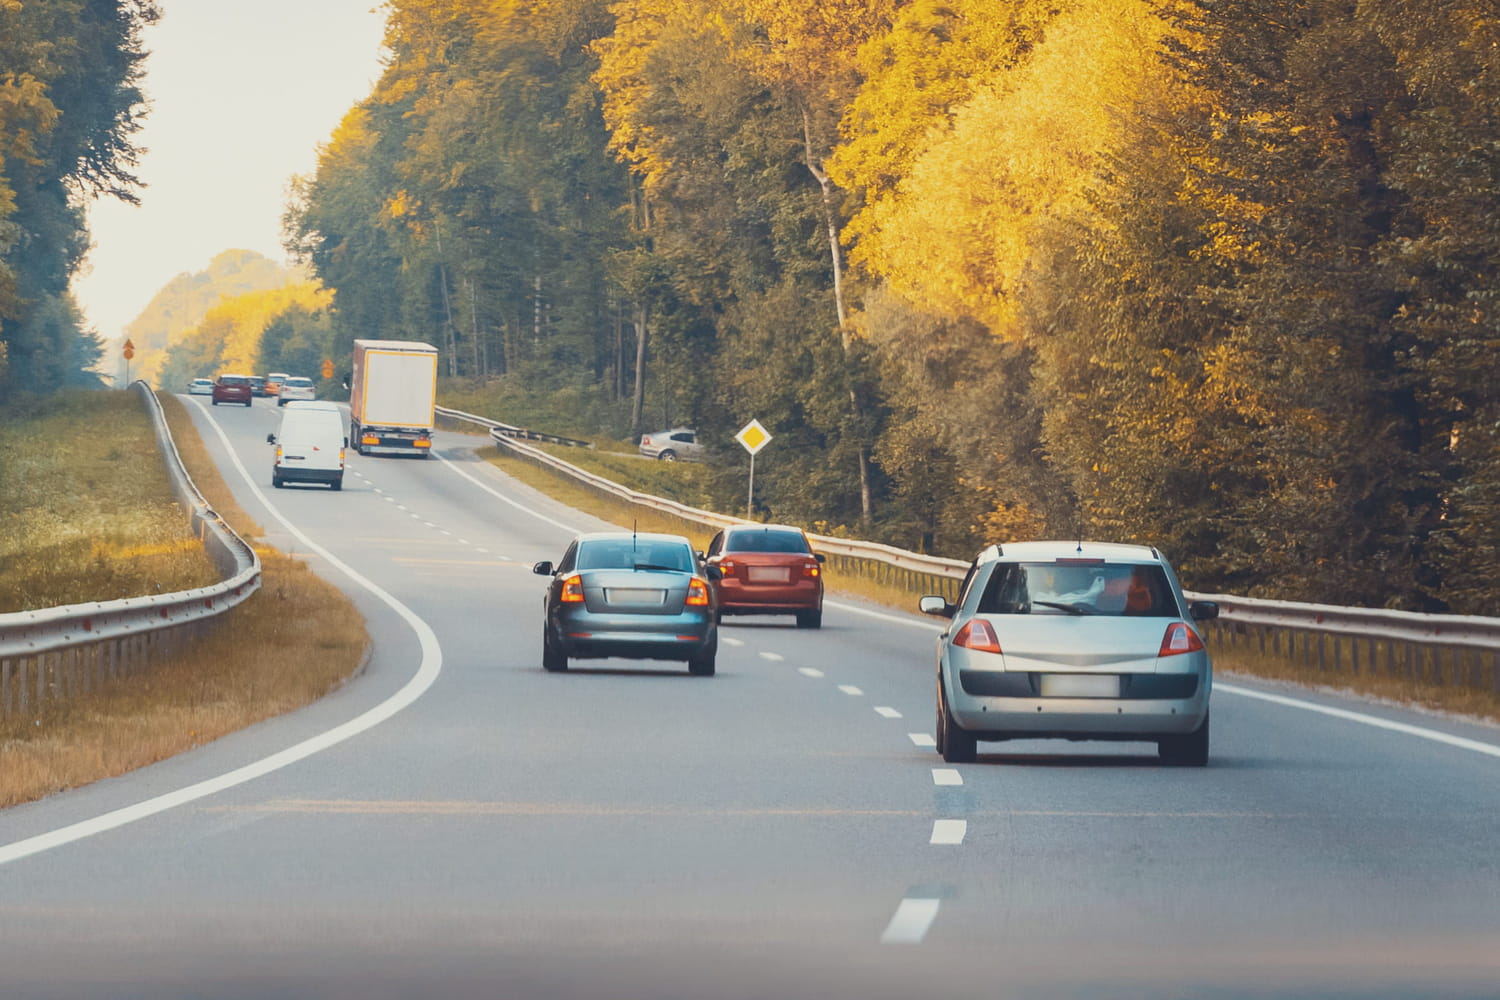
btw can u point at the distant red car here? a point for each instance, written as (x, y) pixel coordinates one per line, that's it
(768, 569)
(233, 389)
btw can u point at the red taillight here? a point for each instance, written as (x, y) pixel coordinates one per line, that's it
(978, 635)
(572, 590)
(810, 570)
(726, 566)
(697, 593)
(1180, 638)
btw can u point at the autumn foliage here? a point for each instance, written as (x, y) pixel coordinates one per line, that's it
(1218, 276)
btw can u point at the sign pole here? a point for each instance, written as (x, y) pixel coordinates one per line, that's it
(753, 437)
(750, 495)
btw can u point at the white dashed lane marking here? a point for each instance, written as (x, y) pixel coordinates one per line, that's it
(731, 641)
(806, 671)
(775, 658)
(887, 711)
(946, 776)
(910, 923)
(949, 831)
(922, 739)
(850, 689)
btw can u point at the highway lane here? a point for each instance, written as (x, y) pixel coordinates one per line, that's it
(777, 830)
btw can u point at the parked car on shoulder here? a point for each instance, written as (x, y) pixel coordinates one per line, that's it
(232, 389)
(671, 445)
(1076, 641)
(768, 569)
(201, 387)
(638, 596)
(294, 388)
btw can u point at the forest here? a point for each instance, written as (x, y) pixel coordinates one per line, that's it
(1217, 276)
(70, 109)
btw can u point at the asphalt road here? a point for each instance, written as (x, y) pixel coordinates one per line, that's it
(456, 822)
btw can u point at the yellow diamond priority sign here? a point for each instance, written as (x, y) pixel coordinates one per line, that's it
(753, 436)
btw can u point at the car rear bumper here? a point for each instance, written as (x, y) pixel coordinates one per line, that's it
(587, 635)
(737, 598)
(292, 474)
(1006, 705)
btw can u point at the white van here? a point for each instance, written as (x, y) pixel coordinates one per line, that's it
(310, 446)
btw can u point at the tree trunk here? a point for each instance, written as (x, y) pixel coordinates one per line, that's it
(639, 400)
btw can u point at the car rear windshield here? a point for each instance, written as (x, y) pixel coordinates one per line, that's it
(628, 554)
(1139, 590)
(766, 541)
(234, 380)
(299, 383)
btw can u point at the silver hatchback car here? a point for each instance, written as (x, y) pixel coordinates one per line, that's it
(1072, 640)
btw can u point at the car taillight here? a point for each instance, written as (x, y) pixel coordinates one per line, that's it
(977, 634)
(810, 570)
(572, 590)
(697, 593)
(726, 566)
(1180, 638)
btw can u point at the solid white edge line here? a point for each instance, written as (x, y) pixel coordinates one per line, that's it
(949, 832)
(427, 673)
(505, 499)
(911, 921)
(1404, 728)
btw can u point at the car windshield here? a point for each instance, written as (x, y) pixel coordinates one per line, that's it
(635, 554)
(299, 383)
(1079, 589)
(766, 540)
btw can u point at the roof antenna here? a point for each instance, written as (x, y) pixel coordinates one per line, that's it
(1080, 545)
(633, 523)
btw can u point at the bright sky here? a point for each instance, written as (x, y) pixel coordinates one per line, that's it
(242, 94)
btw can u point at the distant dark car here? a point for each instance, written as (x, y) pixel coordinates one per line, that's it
(257, 385)
(232, 389)
(638, 596)
(768, 569)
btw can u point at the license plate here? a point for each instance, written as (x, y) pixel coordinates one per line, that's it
(1080, 686)
(627, 596)
(768, 574)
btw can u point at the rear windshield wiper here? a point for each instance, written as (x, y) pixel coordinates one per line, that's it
(664, 569)
(1072, 609)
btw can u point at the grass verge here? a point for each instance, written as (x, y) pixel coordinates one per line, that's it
(257, 662)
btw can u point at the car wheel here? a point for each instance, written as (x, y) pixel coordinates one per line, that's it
(337, 484)
(810, 619)
(702, 665)
(554, 661)
(1190, 750)
(214, 403)
(667, 455)
(956, 744)
(276, 481)
(249, 401)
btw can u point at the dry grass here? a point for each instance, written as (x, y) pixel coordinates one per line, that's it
(256, 662)
(86, 509)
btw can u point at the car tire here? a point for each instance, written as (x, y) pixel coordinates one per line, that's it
(249, 402)
(702, 665)
(276, 481)
(1190, 750)
(214, 403)
(336, 484)
(812, 618)
(554, 660)
(667, 455)
(956, 744)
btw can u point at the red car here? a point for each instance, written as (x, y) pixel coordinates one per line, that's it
(768, 569)
(233, 389)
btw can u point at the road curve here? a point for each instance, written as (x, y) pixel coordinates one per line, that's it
(460, 823)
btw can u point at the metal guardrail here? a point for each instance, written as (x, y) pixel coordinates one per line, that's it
(53, 653)
(512, 432)
(1457, 650)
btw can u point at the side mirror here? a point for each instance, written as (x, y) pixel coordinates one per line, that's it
(1203, 611)
(270, 439)
(543, 568)
(820, 557)
(714, 573)
(346, 440)
(936, 606)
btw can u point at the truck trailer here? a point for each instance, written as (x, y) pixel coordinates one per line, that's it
(391, 396)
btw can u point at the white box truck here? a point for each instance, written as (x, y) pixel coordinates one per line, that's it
(391, 396)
